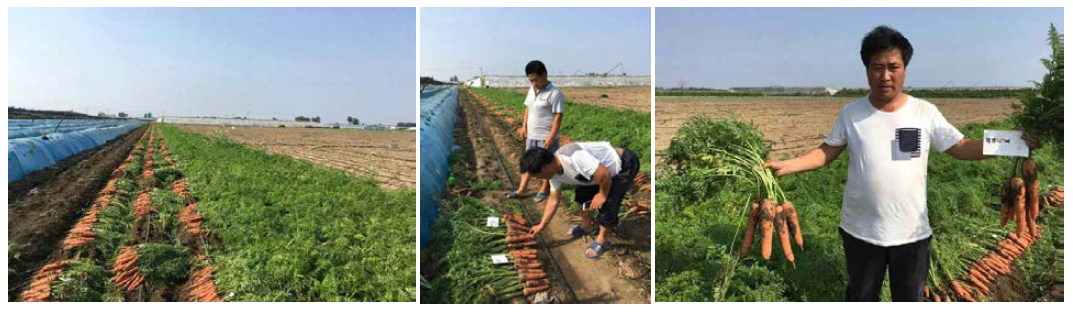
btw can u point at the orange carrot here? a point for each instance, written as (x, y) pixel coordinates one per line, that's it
(1032, 192)
(791, 216)
(528, 291)
(518, 239)
(784, 236)
(1018, 187)
(767, 219)
(754, 214)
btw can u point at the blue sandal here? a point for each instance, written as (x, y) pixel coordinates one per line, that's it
(540, 196)
(514, 195)
(577, 231)
(598, 248)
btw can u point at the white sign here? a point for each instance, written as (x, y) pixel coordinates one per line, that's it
(1004, 143)
(493, 222)
(500, 259)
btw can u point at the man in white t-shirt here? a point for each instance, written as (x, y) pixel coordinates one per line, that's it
(888, 134)
(544, 106)
(603, 174)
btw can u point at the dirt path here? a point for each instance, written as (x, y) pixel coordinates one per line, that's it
(592, 280)
(40, 217)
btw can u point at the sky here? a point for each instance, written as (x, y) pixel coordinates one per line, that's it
(739, 47)
(462, 41)
(227, 62)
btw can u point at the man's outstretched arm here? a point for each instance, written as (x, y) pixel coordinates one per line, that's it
(812, 160)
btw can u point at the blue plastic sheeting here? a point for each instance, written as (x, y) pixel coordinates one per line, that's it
(26, 155)
(24, 128)
(438, 107)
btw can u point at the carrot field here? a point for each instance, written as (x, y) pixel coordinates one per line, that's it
(192, 218)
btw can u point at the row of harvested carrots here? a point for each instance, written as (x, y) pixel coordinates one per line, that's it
(81, 234)
(525, 256)
(1020, 202)
(201, 286)
(982, 274)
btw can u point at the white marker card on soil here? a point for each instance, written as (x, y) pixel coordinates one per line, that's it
(500, 259)
(493, 222)
(1004, 143)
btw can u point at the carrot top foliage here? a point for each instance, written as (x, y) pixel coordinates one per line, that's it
(1043, 110)
(292, 231)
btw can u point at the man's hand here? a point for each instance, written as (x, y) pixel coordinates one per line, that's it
(522, 132)
(781, 167)
(598, 201)
(536, 229)
(547, 144)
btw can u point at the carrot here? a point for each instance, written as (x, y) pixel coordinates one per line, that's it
(927, 292)
(1005, 204)
(535, 283)
(979, 284)
(791, 216)
(533, 276)
(1028, 171)
(784, 236)
(528, 291)
(1018, 187)
(767, 218)
(519, 239)
(961, 291)
(523, 244)
(754, 214)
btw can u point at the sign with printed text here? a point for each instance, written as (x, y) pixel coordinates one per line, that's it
(493, 222)
(500, 259)
(1004, 143)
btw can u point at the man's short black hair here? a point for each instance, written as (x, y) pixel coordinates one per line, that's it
(535, 159)
(884, 38)
(536, 67)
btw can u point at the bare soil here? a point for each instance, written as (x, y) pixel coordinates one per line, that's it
(631, 98)
(796, 124)
(388, 157)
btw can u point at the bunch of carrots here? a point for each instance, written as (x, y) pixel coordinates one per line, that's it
(522, 251)
(41, 283)
(1056, 197)
(143, 205)
(191, 219)
(127, 276)
(782, 219)
(1020, 199)
(202, 288)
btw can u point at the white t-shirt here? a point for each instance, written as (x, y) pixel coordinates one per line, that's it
(580, 161)
(885, 198)
(542, 109)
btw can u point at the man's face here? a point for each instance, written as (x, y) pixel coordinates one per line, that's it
(547, 171)
(886, 74)
(538, 81)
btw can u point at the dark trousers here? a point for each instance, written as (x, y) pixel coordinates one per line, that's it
(867, 265)
(620, 184)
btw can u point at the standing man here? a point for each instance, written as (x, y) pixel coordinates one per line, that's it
(603, 174)
(889, 133)
(543, 114)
